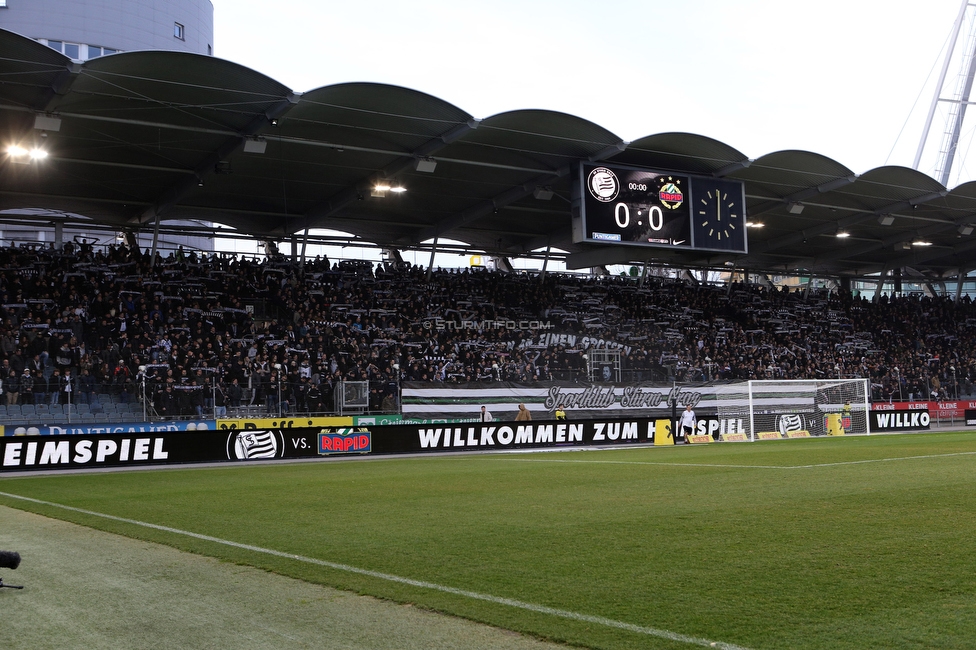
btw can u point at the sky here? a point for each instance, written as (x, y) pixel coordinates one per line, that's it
(852, 80)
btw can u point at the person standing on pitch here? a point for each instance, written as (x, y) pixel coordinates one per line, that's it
(688, 422)
(561, 412)
(486, 415)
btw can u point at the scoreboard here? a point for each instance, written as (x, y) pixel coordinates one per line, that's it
(644, 207)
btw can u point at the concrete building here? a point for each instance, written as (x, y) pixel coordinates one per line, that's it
(87, 29)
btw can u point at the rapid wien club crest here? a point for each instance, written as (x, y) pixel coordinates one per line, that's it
(670, 193)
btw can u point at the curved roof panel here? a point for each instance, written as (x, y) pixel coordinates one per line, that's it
(682, 152)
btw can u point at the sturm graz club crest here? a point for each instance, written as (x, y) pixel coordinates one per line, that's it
(790, 423)
(603, 184)
(253, 444)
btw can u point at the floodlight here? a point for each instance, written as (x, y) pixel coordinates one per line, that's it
(255, 145)
(426, 165)
(543, 193)
(47, 123)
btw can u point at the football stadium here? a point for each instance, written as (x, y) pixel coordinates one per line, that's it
(675, 397)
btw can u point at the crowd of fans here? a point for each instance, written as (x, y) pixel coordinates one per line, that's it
(197, 335)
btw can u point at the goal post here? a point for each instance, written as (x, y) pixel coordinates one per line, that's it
(818, 407)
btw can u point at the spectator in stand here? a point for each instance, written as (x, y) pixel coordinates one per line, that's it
(114, 309)
(86, 387)
(12, 387)
(40, 388)
(220, 401)
(166, 403)
(26, 387)
(55, 387)
(235, 393)
(68, 388)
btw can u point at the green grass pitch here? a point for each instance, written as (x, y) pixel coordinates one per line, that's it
(859, 542)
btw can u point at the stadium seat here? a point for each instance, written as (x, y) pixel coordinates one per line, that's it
(26, 409)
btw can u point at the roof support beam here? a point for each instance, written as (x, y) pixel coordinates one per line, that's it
(917, 256)
(794, 239)
(555, 238)
(482, 209)
(806, 194)
(512, 195)
(851, 251)
(606, 255)
(318, 216)
(181, 189)
(62, 84)
(731, 168)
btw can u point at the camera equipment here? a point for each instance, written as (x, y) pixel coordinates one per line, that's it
(9, 560)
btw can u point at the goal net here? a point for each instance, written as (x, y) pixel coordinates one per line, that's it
(820, 407)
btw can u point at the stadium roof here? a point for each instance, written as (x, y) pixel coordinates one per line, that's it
(144, 135)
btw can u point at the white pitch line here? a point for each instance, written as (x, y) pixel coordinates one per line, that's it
(540, 609)
(641, 462)
(884, 460)
(720, 465)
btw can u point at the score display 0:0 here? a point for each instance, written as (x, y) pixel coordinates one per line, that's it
(655, 216)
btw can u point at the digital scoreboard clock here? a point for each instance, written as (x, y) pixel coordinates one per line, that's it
(645, 207)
